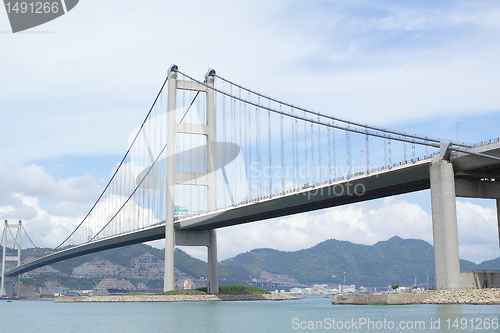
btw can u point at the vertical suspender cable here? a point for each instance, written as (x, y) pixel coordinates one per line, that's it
(367, 153)
(282, 154)
(249, 124)
(293, 150)
(319, 154)
(225, 141)
(389, 152)
(233, 149)
(329, 154)
(348, 153)
(296, 166)
(312, 155)
(404, 152)
(257, 145)
(334, 152)
(271, 173)
(305, 149)
(241, 175)
(385, 152)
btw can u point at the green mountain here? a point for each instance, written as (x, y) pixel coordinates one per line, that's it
(487, 265)
(395, 261)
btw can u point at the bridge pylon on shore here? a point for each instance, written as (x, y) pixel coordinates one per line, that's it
(190, 238)
(7, 283)
(445, 188)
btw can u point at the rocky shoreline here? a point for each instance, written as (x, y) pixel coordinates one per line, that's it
(177, 298)
(490, 296)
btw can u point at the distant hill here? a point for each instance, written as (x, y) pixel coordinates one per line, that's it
(125, 258)
(488, 264)
(395, 261)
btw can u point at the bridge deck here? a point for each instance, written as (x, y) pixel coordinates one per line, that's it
(383, 183)
(397, 180)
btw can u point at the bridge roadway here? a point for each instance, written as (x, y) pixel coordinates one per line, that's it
(399, 179)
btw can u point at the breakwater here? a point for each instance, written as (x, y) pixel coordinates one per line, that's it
(177, 298)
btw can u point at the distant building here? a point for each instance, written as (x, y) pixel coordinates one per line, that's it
(320, 288)
(333, 291)
(346, 289)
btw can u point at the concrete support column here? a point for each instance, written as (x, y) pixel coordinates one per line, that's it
(9, 286)
(213, 275)
(444, 224)
(169, 277)
(4, 255)
(498, 219)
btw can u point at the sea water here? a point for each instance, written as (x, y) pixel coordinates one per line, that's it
(306, 314)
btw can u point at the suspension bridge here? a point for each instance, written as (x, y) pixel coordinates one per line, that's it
(212, 153)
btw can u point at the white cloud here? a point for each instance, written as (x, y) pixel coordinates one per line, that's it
(65, 202)
(477, 232)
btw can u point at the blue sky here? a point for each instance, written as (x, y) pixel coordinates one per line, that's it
(73, 89)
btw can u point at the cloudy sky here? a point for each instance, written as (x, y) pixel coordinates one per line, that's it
(72, 90)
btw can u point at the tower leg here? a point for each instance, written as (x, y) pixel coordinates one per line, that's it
(213, 278)
(169, 277)
(9, 286)
(444, 224)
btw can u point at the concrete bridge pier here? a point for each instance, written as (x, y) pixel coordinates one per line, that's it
(213, 276)
(8, 286)
(203, 238)
(444, 224)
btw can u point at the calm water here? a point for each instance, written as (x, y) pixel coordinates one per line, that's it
(307, 314)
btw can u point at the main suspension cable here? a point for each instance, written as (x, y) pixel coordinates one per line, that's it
(349, 122)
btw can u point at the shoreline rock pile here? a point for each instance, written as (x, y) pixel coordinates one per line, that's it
(490, 296)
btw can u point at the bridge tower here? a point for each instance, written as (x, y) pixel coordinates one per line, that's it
(7, 284)
(190, 238)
